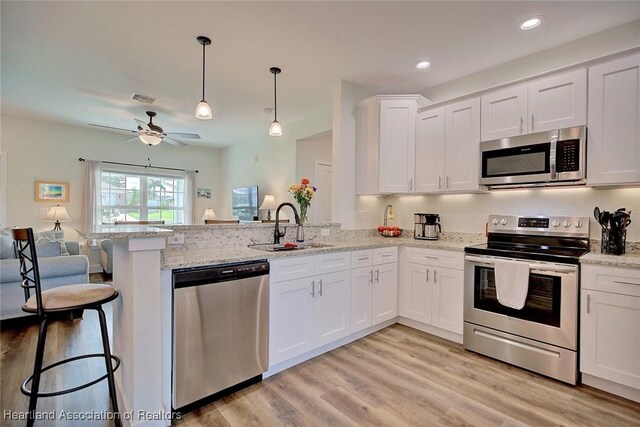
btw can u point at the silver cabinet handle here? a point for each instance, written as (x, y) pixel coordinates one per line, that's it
(386, 255)
(431, 257)
(439, 182)
(377, 275)
(447, 181)
(320, 291)
(427, 274)
(411, 184)
(531, 121)
(521, 124)
(435, 276)
(620, 282)
(371, 276)
(363, 258)
(313, 289)
(588, 303)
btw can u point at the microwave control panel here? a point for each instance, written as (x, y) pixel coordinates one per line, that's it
(568, 155)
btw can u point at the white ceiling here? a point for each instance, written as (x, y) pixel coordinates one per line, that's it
(78, 62)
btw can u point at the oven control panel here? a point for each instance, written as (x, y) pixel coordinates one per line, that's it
(575, 226)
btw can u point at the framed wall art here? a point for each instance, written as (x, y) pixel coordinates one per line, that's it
(52, 191)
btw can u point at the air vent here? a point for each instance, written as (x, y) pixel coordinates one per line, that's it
(142, 99)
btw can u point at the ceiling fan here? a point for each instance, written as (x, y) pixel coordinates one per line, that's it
(152, 134)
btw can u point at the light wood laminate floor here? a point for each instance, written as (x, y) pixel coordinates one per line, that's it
(395, 377)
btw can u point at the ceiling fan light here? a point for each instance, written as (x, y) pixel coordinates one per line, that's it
(150, 139)
(203, 111)
(275, 129)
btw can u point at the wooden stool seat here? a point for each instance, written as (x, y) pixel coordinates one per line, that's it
(72, 297)
(61, 299)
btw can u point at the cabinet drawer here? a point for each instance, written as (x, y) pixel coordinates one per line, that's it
(436, 258)
(291, 268)
(385, 255)
(363, 258)
(625, 281)
(332, 262)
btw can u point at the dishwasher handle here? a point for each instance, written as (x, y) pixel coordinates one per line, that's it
(197, 276)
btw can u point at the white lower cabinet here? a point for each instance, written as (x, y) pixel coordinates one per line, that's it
(332, 307)
(308, 312)
(291, 319)
(609, 333)
(430, 293)
(374, 288)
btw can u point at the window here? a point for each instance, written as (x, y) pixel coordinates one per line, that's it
(133, 197)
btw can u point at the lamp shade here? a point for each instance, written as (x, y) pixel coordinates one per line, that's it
(57, 214)
(203, 111)
(269, 202)
(209, 214)
(275, 129)
(150, 139)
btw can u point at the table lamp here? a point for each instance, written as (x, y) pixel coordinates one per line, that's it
(57, 214)
(209, 214)
(268, 203)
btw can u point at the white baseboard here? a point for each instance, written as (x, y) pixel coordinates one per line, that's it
(448, 335)
(328, 347)
(611, 387)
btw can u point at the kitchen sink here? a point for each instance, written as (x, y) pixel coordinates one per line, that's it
(272, 247)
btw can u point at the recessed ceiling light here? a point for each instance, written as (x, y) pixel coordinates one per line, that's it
(423, 64)
(531, 23)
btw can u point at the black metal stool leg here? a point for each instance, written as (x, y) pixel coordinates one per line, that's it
(107, 359)
(37, 371)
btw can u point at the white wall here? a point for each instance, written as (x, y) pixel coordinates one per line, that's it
(269, 162)
(42, 150)
(469, 212)
(308, 150)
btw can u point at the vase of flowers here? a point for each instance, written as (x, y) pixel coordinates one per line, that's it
(303, 193)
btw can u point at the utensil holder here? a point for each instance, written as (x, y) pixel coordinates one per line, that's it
(613, 243)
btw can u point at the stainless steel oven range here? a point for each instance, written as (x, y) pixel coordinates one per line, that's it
(542, 336)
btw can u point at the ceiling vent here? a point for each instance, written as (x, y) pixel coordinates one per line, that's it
(142, 99)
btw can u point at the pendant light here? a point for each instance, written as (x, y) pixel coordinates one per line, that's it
(275, 129)
(203, 111)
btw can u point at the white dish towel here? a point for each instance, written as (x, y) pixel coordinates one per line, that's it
(512, 283)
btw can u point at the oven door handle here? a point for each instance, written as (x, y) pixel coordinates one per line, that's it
(553, 268)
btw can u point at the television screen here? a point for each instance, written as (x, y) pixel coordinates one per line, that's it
(244, 202)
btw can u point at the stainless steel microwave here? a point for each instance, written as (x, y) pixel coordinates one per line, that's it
(539, 159)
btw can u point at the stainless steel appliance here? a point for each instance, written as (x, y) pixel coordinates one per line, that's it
(426, 226)
(543, 335)
(220, 331)
(540, 159)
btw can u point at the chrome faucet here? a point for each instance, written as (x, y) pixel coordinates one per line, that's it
(277, 234)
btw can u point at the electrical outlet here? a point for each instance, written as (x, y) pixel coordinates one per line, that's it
(364, 215)
(176, 239)
(325, 232)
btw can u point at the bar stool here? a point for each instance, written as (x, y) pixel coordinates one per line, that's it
(62, 299)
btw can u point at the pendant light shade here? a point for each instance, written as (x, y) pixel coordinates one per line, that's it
(275, 129)
(203, 110)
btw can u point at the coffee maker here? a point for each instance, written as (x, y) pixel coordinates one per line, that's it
(427, 226)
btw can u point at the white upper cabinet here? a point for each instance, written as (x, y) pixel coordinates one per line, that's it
(448, 148)
(386, 143)
(554, 102)
(614, 122)
(430, 136)
(558, 101)
(504, 113)
(462, 145)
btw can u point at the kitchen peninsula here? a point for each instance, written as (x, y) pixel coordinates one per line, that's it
(143, 265)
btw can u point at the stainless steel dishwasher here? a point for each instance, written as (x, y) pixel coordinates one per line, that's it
(220, 331)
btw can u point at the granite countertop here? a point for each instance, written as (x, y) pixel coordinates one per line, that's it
(128, 232)
(624, 261)
(225, 254)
